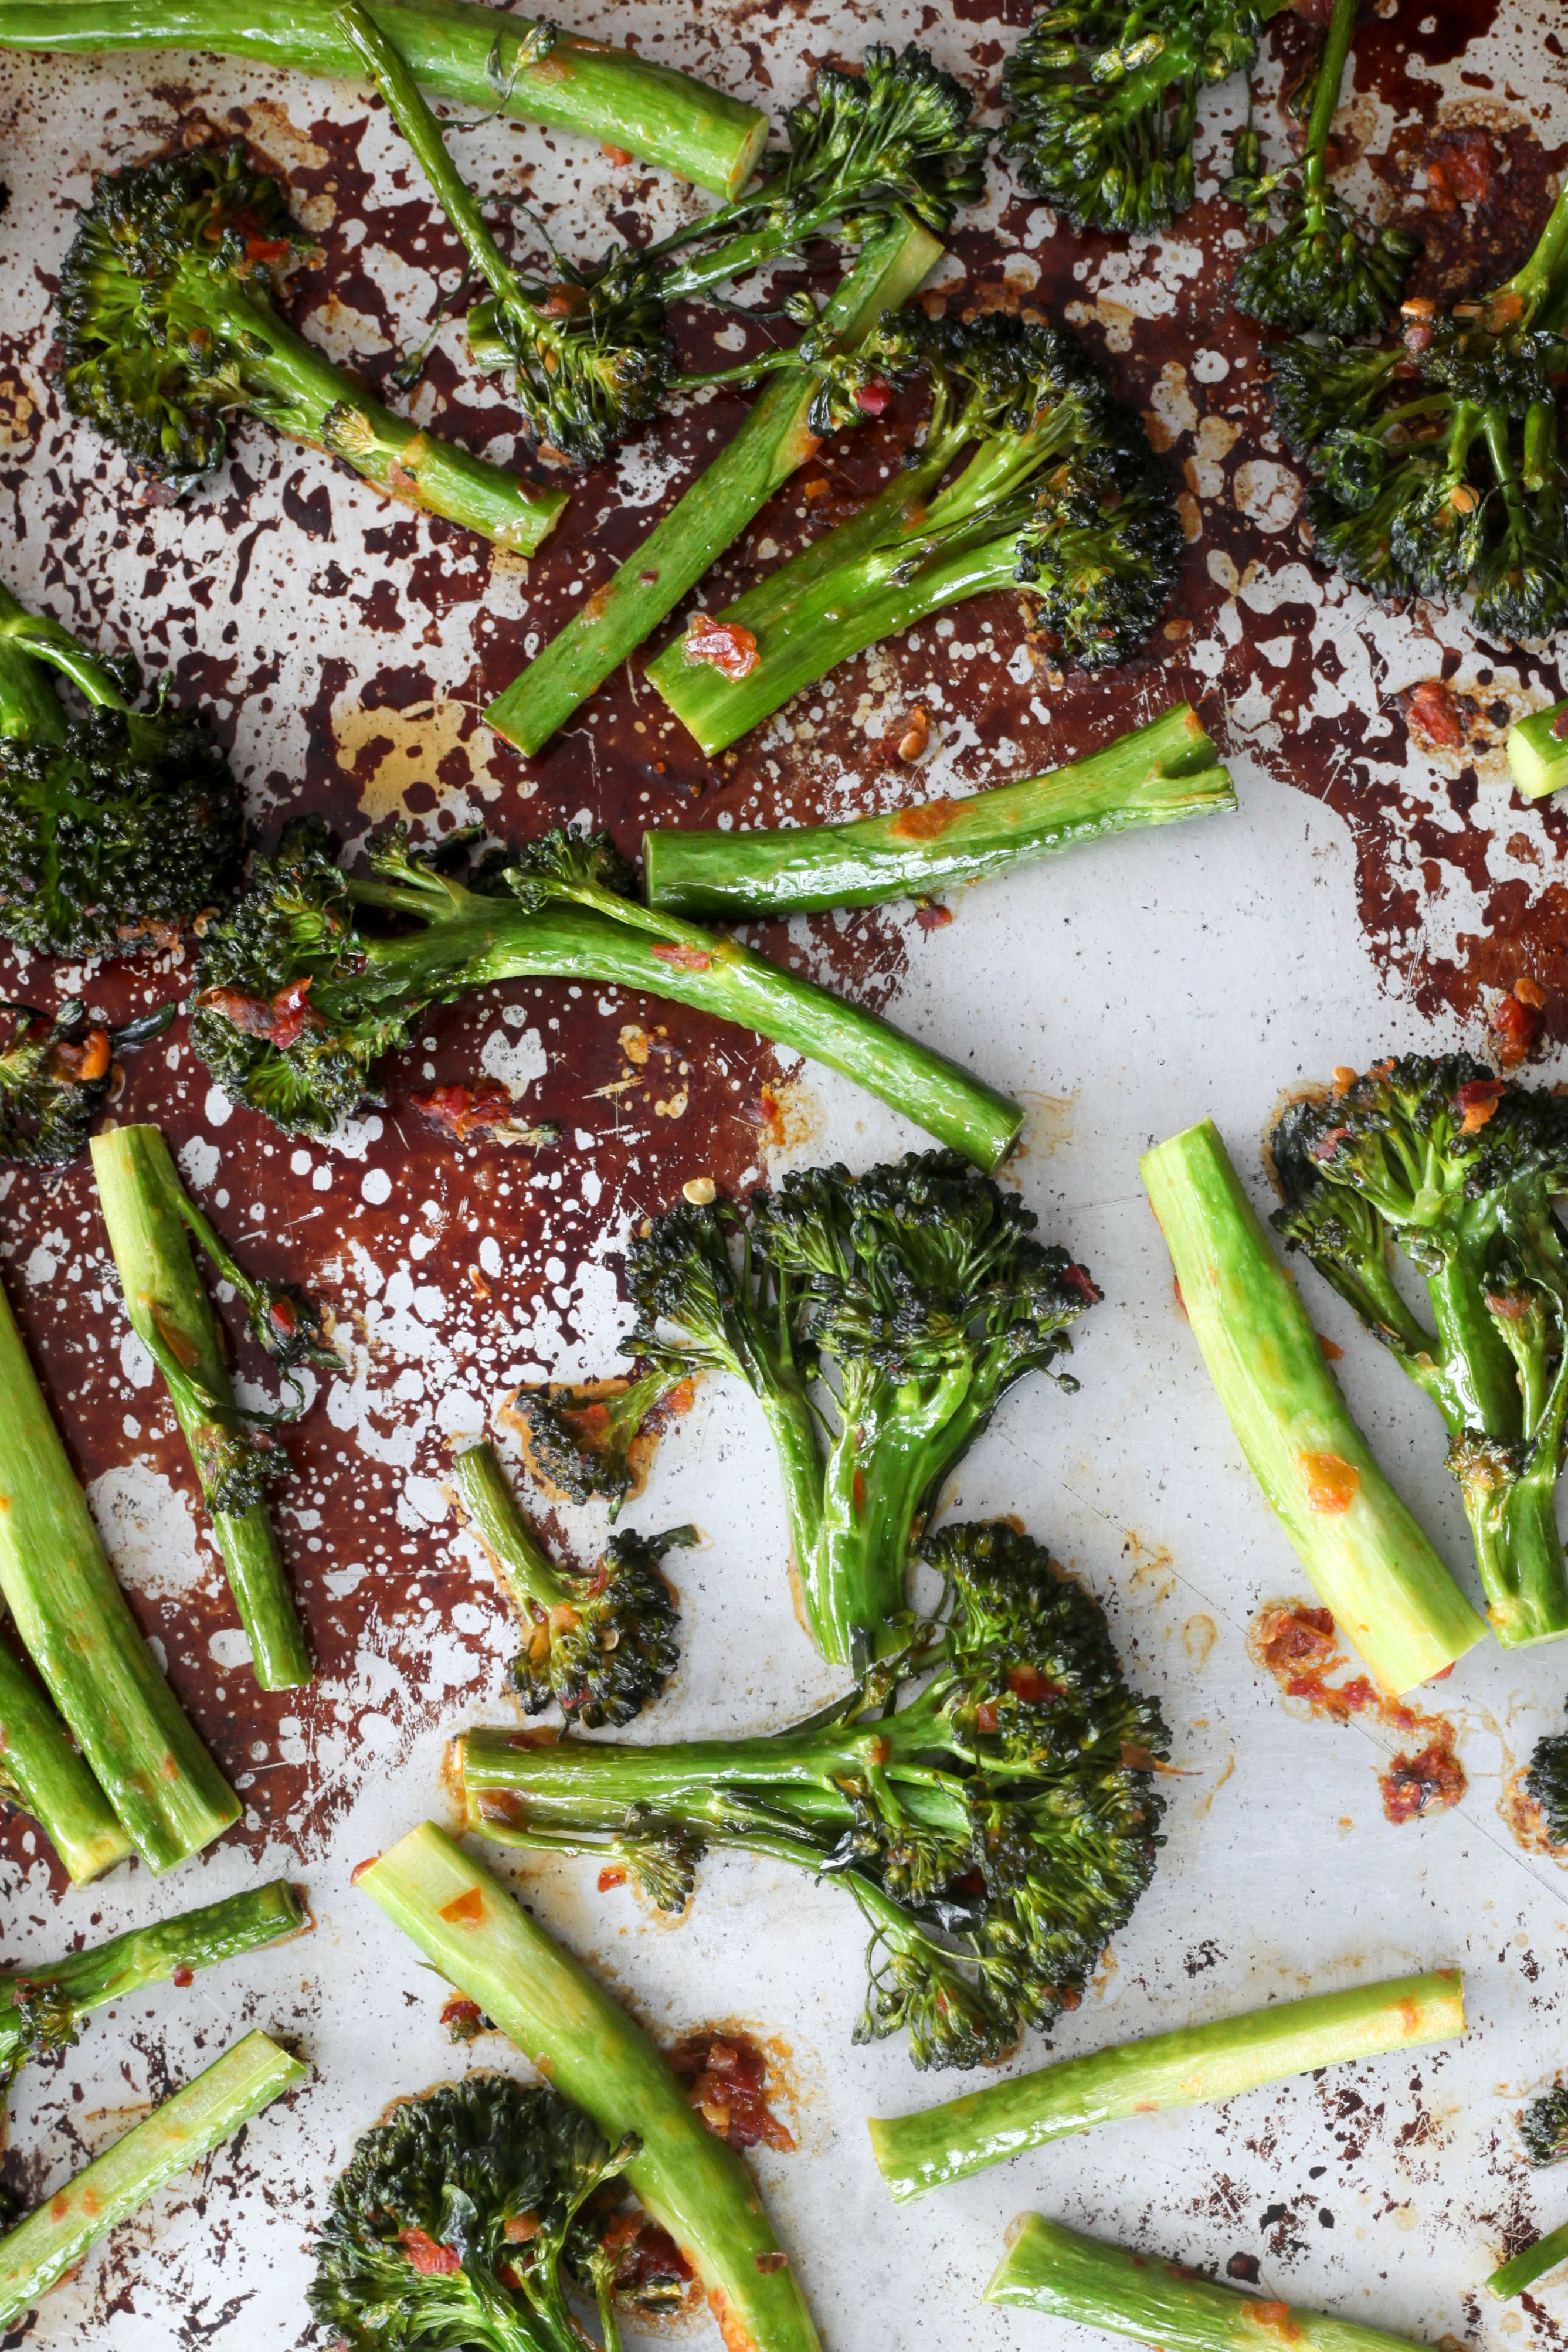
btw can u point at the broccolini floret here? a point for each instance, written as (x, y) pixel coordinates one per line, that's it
(1436, 464)
(296, 1000)
(1543, 2128)
(168, 333)
(56, 1073)
(115, 830)
(581, 1441)
(1103, 103)
(920, 1288)
(1546, 1780)
(1322, 270)
(996, 1828)
(1457, 1170)
(472, 2215)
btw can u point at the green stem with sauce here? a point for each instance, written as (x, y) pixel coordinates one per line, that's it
(1370, 1561)
(1199, 2062)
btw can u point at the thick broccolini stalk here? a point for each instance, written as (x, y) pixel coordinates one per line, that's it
(1196, 2063)
(1067, 2275)
(592, 357)
(1543, 2128)
(116, 829)
(79, 1631)
(1323, 271)
(583, 1442)
(1104, 99)
(296, 1002)
(1534, 2264)
(1159, 773)
(1547, 1782)
(54, 1075)
(588, 2050)
(477, 54)
(1435, 462)
(175, 2137)
(469, 2217)
(1061, 496)
(1458, 1170)
(43, 1772)
(1538, 752)
(783, 429)
(601, 1647)
(921, 1286)
(149, 1218)
(167, 332)
(1370, 1561)
(42, 2008)
(996, 1830)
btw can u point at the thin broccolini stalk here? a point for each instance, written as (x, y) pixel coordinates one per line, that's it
(1060, 2272)
(587, 2048)
(478, 55)
(772, 442)
(143, 1204)
(1512, 2277)
(1366, 1555)
(41, 2009)
(80, 1633)
(920, 2152)
(1160, 773)
(1538, 752)
(177, 2135)
(42, 1769)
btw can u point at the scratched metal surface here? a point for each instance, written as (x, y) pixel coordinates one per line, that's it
(1369, 894)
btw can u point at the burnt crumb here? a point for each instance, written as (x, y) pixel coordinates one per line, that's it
(1206, 1955)
(1245, 2267)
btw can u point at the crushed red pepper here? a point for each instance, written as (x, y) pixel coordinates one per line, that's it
(1299, 1646)
(724, 645)
(726, 2079)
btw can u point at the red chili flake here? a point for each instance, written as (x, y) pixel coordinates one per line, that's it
(859, 1491)
(1325, 1146)
(775, 2260)
(1440, 196)
(652, 2258)
(83, 1062)
(1430, 708)
(610, 1877)
(1033, 1687)
(724, 645)
(265, 249)
(1460, 170)
(872, 398)
(465, 1910)
(619, 156)
(1475, 1102)
(933, 917)
(358, 1872)
(430, 2259)
(561, 301)
(683, 959)
(1331, 1483)
(1079, 1279)
(279, 1020)
(463, 2019)
(284, 1318)
(1428, 1782)
(183, 1976)
(464, 1111)
(986, 1717)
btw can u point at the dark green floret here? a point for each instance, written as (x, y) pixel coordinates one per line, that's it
(56, 1074)
(1437, 464)
(1457, 1170)
(879, 1320)
(985, 1794)
(1103, 103)
(117, 829)
(580, 1439)
(1543, 2128)
(1322, 270)
(1547, 1782)
(472, 2216)
(168, 336)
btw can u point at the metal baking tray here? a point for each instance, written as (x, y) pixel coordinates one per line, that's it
(1370, 894)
